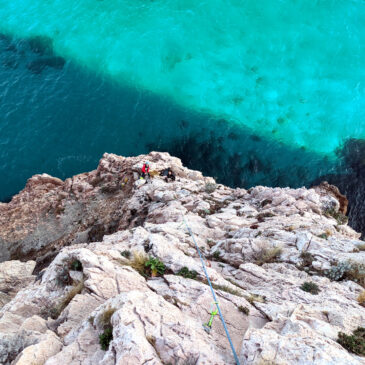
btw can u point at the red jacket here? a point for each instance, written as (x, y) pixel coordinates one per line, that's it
(144, 169)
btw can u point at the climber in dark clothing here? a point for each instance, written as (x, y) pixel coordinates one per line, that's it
(145, 170)
(168, 174)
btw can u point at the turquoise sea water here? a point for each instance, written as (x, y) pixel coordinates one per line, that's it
(252, 92)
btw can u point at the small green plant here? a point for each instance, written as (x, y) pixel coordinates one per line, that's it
(155, 266)
(105, 338)
(105, 322)
(261, 216)
(310, 287)
(91, 320)
(186, 273)
(307, 258)
(244, 310)
(216, 255)
(76, 265)
(354, 343)
(126, 254)
(323, 236)
(210, 242)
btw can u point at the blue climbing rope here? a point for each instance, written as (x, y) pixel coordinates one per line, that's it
(213, 293)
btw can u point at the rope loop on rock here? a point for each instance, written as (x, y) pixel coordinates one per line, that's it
(212, 290)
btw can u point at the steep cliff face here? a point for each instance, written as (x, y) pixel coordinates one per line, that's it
(119, 280)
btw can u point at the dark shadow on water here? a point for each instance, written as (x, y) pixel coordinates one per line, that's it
(60, 118)
(7, 199)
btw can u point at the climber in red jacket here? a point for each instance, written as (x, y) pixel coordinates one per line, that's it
(145, 170)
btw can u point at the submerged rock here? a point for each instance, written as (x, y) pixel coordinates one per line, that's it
(97, 300)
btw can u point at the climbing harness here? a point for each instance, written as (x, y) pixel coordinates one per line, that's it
(213, 293)
(208, 326)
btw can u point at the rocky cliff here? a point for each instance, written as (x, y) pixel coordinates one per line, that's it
(101, 269)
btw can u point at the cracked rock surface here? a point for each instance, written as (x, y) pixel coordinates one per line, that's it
(83, 243)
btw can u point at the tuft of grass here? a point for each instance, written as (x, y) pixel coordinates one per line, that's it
(151, 340)
(354, 343)
(105, 318)
(310, 287)
(233, 282)
(154, 173)
(361, 298)
(244, 310)
(186, 273)
(105, 322)
(261, 216)
(256, 298)
(307, 258)
(227, 289)
(340, 218)
(55, 310)
(91, 320)
(138, 263)
(268, 255)
(126, 254)
(361, 247)
(147, 266)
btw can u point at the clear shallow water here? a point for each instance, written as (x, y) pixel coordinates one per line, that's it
(251, 92)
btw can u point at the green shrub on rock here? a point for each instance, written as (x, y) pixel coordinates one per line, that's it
(156, 266)
(105, 338)
(310, 287)
(354, 343)
(216, 255)
(347, 270)
(244, 310)
(186, 273)
(107, 335)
